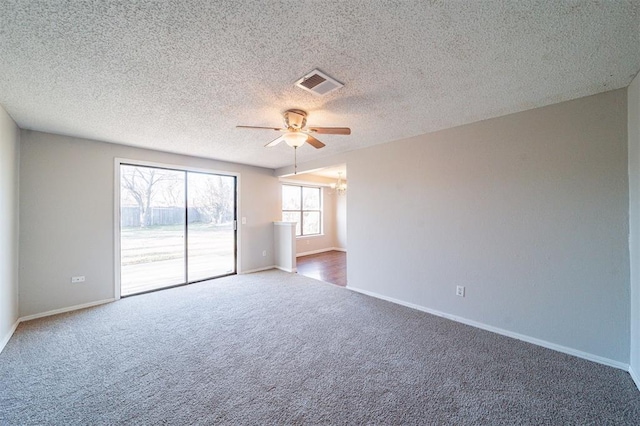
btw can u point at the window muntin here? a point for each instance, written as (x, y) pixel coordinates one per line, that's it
(303, 205)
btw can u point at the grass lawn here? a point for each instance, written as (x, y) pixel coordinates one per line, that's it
(156, 243)
(154, 257)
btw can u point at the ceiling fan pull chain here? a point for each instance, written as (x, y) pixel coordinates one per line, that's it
(295, 160)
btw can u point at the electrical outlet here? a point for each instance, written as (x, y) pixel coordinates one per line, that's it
(264, 253)
(460, 290)
(78, 279)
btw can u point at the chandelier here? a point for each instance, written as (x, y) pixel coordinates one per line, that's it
(340, 186)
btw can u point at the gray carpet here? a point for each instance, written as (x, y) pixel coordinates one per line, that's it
(276, 348)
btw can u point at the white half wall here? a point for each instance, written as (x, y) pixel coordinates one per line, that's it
(528, 211)
(284, 245)
(67, 216)
(9, 225)
(633, 123)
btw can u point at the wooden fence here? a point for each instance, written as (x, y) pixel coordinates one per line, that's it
(130, 216)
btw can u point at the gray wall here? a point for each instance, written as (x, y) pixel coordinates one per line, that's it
(67, 216)
(529, 211)
(9, 173)
(634, 221)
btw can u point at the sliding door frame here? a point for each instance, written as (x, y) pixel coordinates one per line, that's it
(117, 267)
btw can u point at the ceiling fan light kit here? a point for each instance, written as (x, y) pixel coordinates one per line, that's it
(295, 139)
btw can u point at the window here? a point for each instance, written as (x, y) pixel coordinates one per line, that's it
(302, 204)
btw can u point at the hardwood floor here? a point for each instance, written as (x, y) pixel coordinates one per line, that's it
(330, 266)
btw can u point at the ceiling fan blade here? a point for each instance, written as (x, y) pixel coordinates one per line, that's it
(258, 127)
(314, 142)
(274, 142)
(331, 130)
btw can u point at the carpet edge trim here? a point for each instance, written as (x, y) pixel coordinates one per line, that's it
(67, 309)
(539, 342)
(635, 377)
(9, 335)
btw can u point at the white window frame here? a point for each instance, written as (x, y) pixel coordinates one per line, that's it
(302, 210)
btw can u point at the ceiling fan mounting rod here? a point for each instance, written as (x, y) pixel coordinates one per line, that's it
(295, 118)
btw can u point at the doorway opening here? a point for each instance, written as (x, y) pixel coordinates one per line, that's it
(176, 227)
(317, 201)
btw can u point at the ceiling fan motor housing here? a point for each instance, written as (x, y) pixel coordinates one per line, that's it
(295, 118)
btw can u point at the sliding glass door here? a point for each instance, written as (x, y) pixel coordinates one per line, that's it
(176, 227)
(211, 248)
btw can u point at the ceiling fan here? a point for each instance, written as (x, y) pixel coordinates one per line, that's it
(296, 134)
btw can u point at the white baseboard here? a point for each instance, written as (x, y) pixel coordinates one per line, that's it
(307, 253)
(6, 338)
(528, 339)
(63, 310)
(293, 271)
(635, 377)
(251, 271)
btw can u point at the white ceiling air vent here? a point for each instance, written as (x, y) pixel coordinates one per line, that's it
(318, 83)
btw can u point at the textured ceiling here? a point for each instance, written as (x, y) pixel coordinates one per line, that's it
(178, 76)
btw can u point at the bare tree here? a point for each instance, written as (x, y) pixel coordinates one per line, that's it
(215, 198)
(142, 184)
(173, 193)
